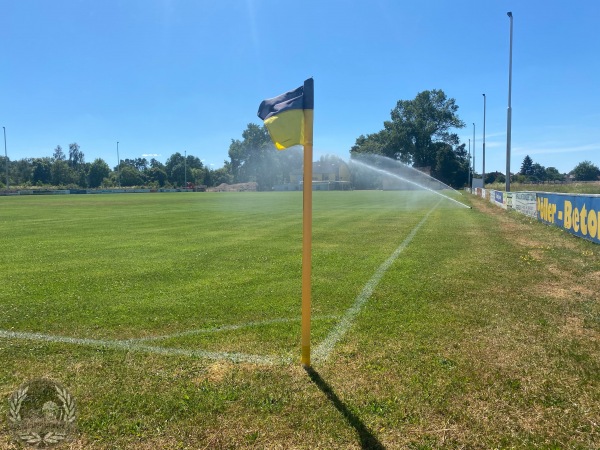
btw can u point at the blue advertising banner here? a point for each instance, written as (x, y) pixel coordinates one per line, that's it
(577, 214)
(499, 196)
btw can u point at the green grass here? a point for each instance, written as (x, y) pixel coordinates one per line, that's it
(483, 334)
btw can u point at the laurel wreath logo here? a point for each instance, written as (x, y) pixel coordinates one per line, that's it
(15, 403)
(60, 425)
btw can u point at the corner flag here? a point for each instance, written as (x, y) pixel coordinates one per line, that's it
(289, 119)
(284, 115)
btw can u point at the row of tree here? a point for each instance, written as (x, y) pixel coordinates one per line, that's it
(72, 171)
(420, 133)
(253, 158)
(535, 172)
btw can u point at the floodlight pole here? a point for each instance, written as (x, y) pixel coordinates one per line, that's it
(483, 168)
(6, 158)
(118, 166)
(469, 174)
(473, 149)
(509, 110)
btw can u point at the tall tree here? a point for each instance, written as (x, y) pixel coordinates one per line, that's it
(418, 124)
(76, 157)
(526, 166)
(174, 169)
(420, 133)
(58, 154)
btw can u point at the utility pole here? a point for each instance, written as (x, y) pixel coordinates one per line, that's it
(509, 111)
(474, 148)
(469, 174)
(483, 169)
(118, 166)
(6, 158)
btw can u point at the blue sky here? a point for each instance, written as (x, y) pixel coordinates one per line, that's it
(162, 76)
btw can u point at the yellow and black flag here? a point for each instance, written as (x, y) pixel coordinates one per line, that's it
(285, 115)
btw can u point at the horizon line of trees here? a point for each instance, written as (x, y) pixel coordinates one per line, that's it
(419, 134)
(531, 172)
(72, 171)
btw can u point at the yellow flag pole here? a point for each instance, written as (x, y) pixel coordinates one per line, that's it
(307, 235)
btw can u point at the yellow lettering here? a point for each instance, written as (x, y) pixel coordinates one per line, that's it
(592, 223)
(584, 226)
(576, 220)
(568, 210)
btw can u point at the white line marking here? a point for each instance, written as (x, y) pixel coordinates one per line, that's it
(324, 349)
(223, 328)
(129, 346)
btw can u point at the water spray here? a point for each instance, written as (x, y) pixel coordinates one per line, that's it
(406, 180)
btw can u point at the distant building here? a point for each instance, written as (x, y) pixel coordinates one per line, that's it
(327, 176)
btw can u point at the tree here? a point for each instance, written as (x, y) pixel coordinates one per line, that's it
(375, 143)
(420, 133)
(157, 176)
(61, 173)
(99, 170)
(526, 166)
(451, 166)
(3, 170)
(220, 176)
(552, 174)
(494, 177)
(58, 154)
(538, 172)
(418, 124)
(42, 171)
(253, 158)
(130, 176)
(586, 171)
(22, 171)
(76, 157)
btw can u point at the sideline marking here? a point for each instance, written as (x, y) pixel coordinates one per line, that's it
(326, 346)
(133, 345)
(128, 345)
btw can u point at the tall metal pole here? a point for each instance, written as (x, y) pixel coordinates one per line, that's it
(483, 169)
(473, 148)
(118, 166)
(185, 169)
(469, 174)
(6, 158)
(509, 110)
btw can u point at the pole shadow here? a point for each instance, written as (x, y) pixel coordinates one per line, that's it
(368, 441)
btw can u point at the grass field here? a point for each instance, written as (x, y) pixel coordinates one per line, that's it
(174, 320)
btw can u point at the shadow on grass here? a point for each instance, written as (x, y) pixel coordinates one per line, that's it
(367, 439)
